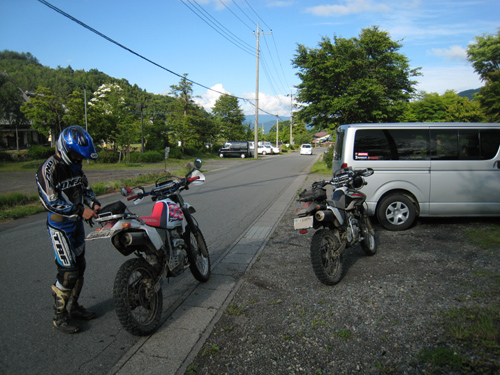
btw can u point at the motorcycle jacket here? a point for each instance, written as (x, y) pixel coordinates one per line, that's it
(63, 190)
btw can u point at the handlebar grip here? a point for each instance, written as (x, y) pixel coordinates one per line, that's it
(132, 197)
(191, 179)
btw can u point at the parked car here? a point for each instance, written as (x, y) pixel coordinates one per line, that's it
(236, 148)
(424, 169)
(274, 149)
(261, 148)
(306, 149)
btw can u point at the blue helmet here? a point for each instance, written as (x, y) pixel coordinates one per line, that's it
(75, 144)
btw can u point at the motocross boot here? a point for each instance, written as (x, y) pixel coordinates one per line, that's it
(74, 308)
(61, 316)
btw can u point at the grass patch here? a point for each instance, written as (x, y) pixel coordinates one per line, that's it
(320, 167)
(486, 236)
(234, 309)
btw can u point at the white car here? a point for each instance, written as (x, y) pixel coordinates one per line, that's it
(306, 149)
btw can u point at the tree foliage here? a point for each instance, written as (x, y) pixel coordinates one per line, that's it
(449, 107)
(484, 55)
(231, 118)
(355, 80)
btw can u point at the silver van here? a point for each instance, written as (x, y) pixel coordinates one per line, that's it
(424, 169)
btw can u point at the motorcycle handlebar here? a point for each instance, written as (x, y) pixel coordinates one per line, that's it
(162, 189)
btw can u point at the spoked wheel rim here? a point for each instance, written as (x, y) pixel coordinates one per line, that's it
(202, 262)
(142, 297)
(330, 256)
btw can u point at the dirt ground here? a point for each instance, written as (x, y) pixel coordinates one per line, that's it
(387, 310)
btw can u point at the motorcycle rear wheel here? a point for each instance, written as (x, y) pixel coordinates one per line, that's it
(137, 304)
(369, 244)
(326, 257)
(199, 258)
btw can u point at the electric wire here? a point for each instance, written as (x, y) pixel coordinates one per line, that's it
(84, 25)
(218, 27)
(234, 14)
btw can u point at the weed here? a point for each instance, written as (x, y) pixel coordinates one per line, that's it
(209, 351)
(344, 334)
(192, 369)
(275, 302)
(233, 309)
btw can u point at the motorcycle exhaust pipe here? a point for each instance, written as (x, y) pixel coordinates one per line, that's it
(325, 215)
(133, 239)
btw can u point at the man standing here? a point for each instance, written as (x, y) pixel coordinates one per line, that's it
(64, 190)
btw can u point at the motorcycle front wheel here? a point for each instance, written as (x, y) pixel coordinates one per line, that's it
(137, 304)
(326, 257)
(199, 258)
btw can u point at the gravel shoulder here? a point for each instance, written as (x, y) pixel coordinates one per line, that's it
(385, 310)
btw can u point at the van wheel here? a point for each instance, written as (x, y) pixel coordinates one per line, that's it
(396, 212)
(243, 156)
(221, 155)
(264, 153)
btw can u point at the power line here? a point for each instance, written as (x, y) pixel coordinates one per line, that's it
(218, 27)
(143, 57)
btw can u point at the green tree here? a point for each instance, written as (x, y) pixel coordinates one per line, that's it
(231, 118)
(46, 112)
(484, 55)
(106, 109)
(179, 110)
(449, 107)
(11, 100)
(353, 80)
(75, 109)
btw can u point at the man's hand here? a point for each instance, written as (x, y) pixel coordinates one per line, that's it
(89, 214)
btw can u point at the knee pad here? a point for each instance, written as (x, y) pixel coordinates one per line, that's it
(68, 277)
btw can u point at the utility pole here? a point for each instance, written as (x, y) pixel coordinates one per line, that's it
(256, 127)
(277, 117)
(291, 117)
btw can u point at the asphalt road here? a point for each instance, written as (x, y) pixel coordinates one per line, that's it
(226, 205)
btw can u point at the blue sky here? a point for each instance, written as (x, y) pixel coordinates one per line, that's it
(214, 41)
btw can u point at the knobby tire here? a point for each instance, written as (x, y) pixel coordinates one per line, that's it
(137, 305)
(326, 257)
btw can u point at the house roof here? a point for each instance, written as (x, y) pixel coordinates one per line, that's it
(320, 134)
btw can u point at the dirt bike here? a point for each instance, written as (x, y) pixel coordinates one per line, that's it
(165, 244)
(342, 222)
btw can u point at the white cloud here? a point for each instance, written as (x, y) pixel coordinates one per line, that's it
(457, 78)
(455, 53)
(208, 99)
(349, 7)
(274, 105)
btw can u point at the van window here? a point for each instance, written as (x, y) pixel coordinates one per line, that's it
(391, 144)
(339, 145)
(490, 142)
(464, 144)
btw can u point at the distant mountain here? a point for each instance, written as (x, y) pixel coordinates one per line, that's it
(468, 93)
(268, 121)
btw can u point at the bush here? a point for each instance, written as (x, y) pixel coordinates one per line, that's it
(107, 156)
(175, 153)
(147, 157)
(5, 156)
(328, 158)
(40, 152)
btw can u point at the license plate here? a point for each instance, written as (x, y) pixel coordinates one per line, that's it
(104, 232)
(303, 222)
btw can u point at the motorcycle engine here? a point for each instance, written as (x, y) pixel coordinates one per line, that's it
(353, 231)
(178, 258)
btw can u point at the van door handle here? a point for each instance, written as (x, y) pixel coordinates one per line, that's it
(497, 164)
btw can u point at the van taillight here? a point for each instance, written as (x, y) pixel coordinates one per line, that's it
(344, 165)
